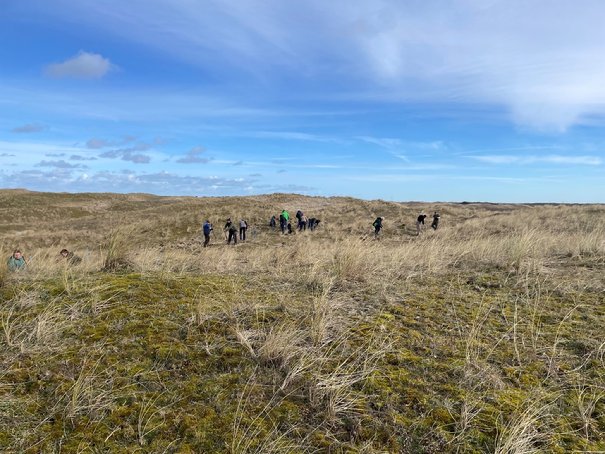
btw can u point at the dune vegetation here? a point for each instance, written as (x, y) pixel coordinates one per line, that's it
(486, 335)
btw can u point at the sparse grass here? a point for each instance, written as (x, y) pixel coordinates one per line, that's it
(484, 336)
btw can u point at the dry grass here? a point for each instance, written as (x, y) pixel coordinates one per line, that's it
(485, 335)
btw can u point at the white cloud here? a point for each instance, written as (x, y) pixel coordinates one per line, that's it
(85, 65)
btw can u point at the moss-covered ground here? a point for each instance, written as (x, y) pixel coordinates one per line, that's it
(131, 362)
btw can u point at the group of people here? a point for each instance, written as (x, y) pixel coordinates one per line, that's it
(17, 262)
(302, 222)
(230, 229)
(377, 224)
(422, 217)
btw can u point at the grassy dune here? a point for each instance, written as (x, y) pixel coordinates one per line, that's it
(486, 335)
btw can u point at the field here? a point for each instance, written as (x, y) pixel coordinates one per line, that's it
(486, 335)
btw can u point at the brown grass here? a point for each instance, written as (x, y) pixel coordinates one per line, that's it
(485, 335)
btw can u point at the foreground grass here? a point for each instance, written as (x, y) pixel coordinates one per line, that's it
(481, 337)
(225, 364)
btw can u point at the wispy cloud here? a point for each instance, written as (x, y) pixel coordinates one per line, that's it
(292, 135)
(550, 159)
(84, 65)
(61, 164)
(77, 157)
(131, 154)
(548, 73)
(28, 128)
(194, 156)
(96, 144)
(398, 148)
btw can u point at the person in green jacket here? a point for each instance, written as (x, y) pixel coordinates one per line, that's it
(284, 219)
(16, 261)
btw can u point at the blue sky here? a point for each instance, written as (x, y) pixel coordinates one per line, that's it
(438, 101)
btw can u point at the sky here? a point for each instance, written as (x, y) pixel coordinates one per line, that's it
(448, 100)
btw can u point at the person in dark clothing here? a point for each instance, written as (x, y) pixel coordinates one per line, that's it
(207, 228)
(313, 223)
(243, 226)
(302, 223)
(420, 223)
(283, 221)
(435, 223)
(232, 230)
(272, 222)
(377, 225)
(70, 257)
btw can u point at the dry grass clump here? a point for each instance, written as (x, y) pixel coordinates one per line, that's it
(115, 250)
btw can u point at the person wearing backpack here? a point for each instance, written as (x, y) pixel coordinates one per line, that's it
(243, 226)
(377, 224)
(207, 228)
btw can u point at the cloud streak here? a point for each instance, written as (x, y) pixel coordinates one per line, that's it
(28, 128)
(550, 159)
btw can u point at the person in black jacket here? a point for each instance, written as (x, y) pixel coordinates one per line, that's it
(232, 231)
(377, 226)
(420, 222)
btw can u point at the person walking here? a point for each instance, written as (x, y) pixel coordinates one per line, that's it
(243, 226)
(420, 222)
(436, 218)
(207, 228)
(377, 225)
(231, 230)
(16, 262)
